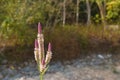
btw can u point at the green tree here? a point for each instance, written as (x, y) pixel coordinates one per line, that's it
(113, 10)
(102, 7)
(18, 15)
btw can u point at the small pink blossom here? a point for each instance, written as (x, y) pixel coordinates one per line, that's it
(39, 28)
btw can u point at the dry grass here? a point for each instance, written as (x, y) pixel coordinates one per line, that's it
(70, 42)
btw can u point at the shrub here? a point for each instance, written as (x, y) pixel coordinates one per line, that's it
(70, 42)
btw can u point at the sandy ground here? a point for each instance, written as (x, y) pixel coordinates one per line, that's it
(98, 67)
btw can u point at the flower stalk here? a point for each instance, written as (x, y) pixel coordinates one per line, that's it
(39, 53)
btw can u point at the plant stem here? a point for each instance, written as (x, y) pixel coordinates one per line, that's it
(41, 76)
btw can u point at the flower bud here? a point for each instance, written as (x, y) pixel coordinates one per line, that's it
(39, 28)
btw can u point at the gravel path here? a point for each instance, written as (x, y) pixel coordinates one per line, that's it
(98, 67)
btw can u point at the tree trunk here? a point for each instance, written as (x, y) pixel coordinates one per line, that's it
(77, 12)
(102, 12)
(88, 12)
(64, 12)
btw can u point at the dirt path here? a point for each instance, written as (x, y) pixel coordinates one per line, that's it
(95, 68)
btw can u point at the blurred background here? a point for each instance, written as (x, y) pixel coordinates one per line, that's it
(75, 28)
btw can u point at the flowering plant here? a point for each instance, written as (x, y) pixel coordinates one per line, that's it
(39, 53)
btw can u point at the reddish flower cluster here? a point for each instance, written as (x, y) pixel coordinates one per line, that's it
(39, 53)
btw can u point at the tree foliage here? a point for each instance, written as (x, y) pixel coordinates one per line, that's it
(113, 10)
(18, 16)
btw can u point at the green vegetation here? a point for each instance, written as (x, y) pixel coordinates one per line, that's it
(70, 42)
(73, 27)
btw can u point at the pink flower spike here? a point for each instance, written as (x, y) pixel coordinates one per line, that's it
(49, 47)
(36, 43)
(39, 28)
(43, 62)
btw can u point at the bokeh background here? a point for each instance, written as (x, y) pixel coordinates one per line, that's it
(85, 38)
(75, 28)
